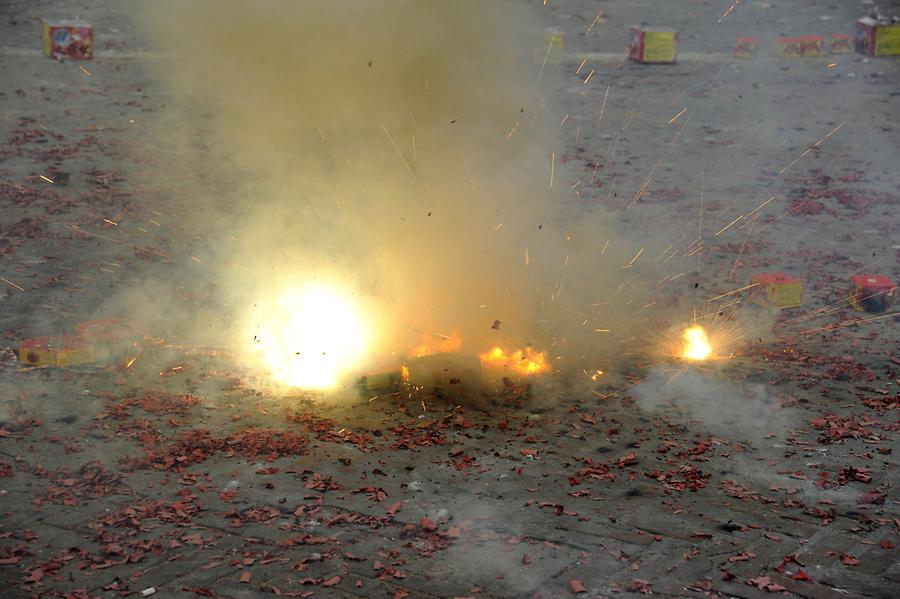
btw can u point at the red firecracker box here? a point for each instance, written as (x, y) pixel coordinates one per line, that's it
(648, 45)
(877, 38)
(68, 39)
(745, 47)
(841, 43)
(871, 293)
(55, 351)
(776, 289)
(799, 47)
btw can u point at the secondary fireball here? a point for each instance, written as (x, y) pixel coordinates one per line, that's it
(525, 362)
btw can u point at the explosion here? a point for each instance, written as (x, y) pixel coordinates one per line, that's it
(525, 362)
(310, 337)
(436, 343)
(696, 344)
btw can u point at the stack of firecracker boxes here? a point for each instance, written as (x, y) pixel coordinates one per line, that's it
(867, 292)
(74, 39)
(872, 38)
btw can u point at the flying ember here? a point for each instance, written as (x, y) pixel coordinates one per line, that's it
(310, 337)
(696, 344)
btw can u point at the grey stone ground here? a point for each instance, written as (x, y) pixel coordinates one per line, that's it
(110, 488)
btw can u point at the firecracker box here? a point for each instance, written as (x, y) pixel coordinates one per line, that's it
(799, 47)
(776, 289)
(871, 293)
(877, 38)
(382, 382)
(68, 39)
(653, 45)
(745, 47)
(443, 372)
(841, 43)
(56, 351)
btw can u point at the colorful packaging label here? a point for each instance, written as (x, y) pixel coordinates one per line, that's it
(800, 47)
(745, 47)
(70, 39)
(841, 43)
(877, 39)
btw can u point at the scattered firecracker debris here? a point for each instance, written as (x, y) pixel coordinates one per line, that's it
(639, 585)
(849, 560)
(769, 472)
(766, 584)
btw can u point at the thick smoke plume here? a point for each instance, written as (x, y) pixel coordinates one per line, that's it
(398, 150)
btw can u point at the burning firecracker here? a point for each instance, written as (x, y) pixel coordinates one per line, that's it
(696, 344)
(525, 362)
(436, 343)
(309, 337)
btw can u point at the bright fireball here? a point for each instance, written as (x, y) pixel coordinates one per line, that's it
(310, 337)
(696, 344)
